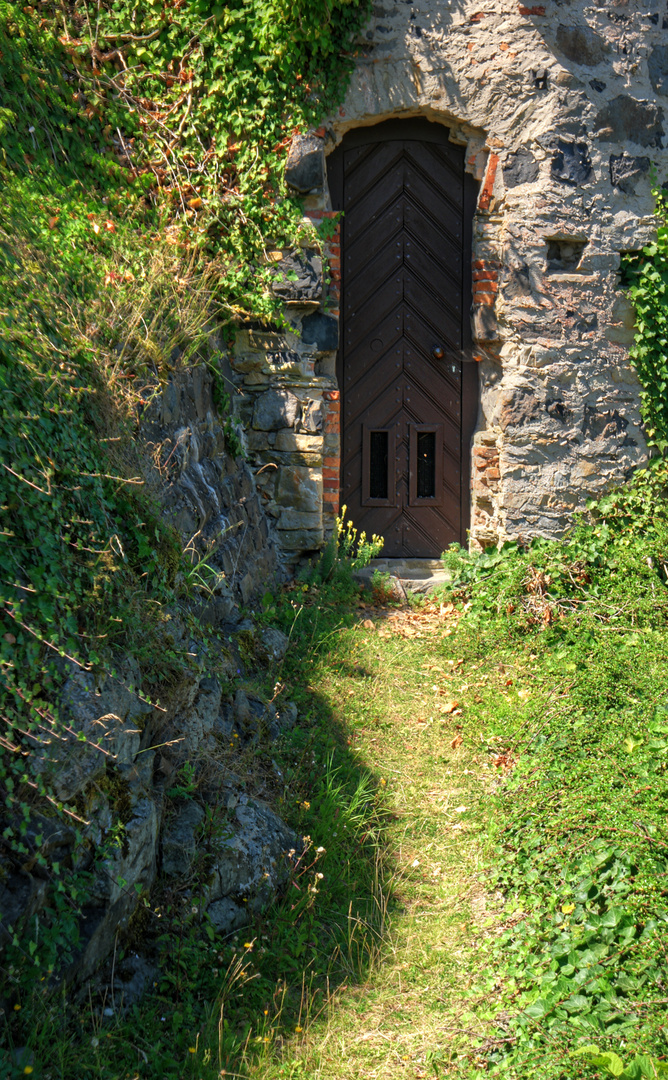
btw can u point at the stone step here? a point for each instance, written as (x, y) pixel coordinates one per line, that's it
(414, 575)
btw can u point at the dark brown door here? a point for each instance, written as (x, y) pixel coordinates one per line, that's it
(409, 396)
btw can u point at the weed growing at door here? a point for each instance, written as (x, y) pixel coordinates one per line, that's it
(580, 849)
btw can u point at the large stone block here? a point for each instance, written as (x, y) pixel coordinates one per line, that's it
(625, 119)
(571, 163)
(657, 63)
(261, 339)
(291, 441)
(602, 424)
(300, 488)
(104, 725)
(178, 844)
(582, 44)
(520, 168)
(312, 460)
(299, 277)
(305, 165)
(125, 873)
(299, 540)
(312, 417)
(518, 407)
(625, 171)
(321, 330)
(275, 409)
(296, 519)
(254, 861)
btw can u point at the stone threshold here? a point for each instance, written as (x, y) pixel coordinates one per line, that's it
(411, 575)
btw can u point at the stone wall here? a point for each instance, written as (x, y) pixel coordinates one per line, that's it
(289, 405)
(205, 492)
(562, 108)
(114, 761)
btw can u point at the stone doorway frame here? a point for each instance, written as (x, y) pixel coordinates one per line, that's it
(481, 162)
(284, 382)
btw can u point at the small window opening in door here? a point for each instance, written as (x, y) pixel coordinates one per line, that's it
(378, 464)
(426, 465)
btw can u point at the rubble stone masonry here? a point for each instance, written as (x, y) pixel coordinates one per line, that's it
(561, 106)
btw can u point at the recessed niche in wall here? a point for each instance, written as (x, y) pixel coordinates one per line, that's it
(564, 253)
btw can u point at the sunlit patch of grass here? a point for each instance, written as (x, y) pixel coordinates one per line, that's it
(388, 678)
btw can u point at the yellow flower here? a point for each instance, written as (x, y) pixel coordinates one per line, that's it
(248, 944)
(27, 1071)
(192, 1049)
(17, 1008)
(298, 1029)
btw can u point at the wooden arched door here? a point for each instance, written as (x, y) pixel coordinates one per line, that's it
(409, 391)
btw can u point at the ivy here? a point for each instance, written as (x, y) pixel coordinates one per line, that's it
(183, 110)
(648, 276)
(142, 152)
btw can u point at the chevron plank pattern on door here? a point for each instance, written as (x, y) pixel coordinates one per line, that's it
(403, 296)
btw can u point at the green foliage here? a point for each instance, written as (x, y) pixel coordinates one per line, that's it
(648, 276)
(141, 167)
(186, 784)
(618, 544)
(181, 114)
(347, 550)
(579, 828)
(612, 1065)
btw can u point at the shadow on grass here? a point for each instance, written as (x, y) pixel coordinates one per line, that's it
(221, 1004)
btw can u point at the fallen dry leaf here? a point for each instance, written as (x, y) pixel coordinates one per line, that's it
(457, 741)
(449, 707)
(503, 761)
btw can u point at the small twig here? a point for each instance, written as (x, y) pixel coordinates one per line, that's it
(121, 479)
(134, 37)
(25, 481)
(49, 644)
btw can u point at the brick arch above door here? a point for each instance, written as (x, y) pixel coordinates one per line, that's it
(409, 390)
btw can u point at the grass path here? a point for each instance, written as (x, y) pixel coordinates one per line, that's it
(401, 696)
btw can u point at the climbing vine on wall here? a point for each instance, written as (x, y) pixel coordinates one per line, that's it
(186, 109)
(648, 275)
(142, 147)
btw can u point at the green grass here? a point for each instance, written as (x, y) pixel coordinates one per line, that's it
(490, 793)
